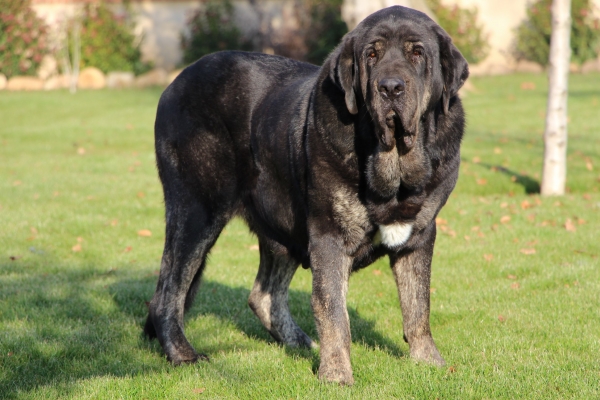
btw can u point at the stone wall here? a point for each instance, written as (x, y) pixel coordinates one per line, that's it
(160, 23)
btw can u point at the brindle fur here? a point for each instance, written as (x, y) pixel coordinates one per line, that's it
(315, 160)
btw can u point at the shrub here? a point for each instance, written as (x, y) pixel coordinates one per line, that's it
(107, 41)
(211, 29)
(22, 38)
(533, 35)
(325, 29)
(461, 24)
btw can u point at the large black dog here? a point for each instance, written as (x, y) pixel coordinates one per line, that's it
(331, 167)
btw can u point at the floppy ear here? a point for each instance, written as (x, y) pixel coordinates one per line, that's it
(455, 69)
(341, 69)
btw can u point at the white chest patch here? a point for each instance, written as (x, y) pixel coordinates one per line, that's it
(395, 235)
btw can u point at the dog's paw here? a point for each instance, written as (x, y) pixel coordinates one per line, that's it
(342, 376)
(428, 353)
(182, 358)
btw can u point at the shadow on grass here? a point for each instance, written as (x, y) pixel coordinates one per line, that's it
(531, 186)
(69, 326)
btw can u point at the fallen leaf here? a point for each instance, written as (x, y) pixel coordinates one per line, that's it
(127, 249)
(144, 233)
(580, 221)
(476, 160)
(33, 231)
(512, 277)
(587, 196)
(451, 233)
(36, 196)
(114, 222)
(481, 181)
(513, 178)
(588, 164)
(528, 251)
(141, 195)
(527, 86)
(56, 194)
(557, 204)
(90, 197)
(17, 183)
(254, 247)
(156, 272)
(14, 258)
(525, 204)
(515, 285)
(480, 234)
(467, 238)
(452, 369)
(432, 290)
(380, 294)
(441, 221)
(570, 226)
(79, 239)
(505, 219)
(532, 243)
(488, 257)
(501, 318)
(475, 228)
(531, 217)
(503, 205)
(497, 150)
(81, 151)
(76, 248)
(376, 272)
(516, 240)
(199, 390)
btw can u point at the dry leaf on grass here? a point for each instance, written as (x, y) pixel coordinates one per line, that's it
(144, 233)
(527, 86)
(501, 318)
(505, 219)
(199, 390)
(441, 221)
(476, 159)
(76, 248)
(588, 164)
(488, 257)
(570, 226)
(141, 195)
(481, 181)
(528, 251)
(254, 247)
(81, 151)
(127, 249)
(512, 277)
(515, 285)
(376, 272)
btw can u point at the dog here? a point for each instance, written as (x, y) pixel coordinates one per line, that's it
(331, 167)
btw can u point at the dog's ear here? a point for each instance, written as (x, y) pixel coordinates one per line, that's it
(455, 69)
(341, 71)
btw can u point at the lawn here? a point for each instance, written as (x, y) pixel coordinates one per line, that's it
(515, 285)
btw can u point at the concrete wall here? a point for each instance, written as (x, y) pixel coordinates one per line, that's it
(160, 23)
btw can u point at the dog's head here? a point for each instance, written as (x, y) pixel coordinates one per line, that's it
(399, 64)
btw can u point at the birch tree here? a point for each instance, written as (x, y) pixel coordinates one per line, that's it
(554, 173)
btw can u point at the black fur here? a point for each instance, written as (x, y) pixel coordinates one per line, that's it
(320, 162)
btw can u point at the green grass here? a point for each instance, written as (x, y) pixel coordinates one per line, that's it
(77, 172)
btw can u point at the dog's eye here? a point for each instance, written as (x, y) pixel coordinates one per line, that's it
(417, 51)
(372, 54)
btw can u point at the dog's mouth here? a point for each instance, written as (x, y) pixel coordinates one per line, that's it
(396, 131)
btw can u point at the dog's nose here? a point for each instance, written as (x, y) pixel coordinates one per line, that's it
(391, 88)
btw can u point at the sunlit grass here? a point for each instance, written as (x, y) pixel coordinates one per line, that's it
(514, 292)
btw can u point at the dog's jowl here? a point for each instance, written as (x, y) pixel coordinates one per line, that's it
(331, 167)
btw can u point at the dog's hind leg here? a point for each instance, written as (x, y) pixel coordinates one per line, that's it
(269, 298)
(191, 231)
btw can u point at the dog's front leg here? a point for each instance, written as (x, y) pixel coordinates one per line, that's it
(412, 271)
(331, 269)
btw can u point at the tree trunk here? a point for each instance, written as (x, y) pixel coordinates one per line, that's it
(555, 136)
